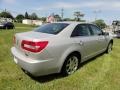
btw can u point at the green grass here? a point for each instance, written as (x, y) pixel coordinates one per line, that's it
(23, 25)
(101, 73)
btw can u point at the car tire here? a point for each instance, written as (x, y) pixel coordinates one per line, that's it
(6, 28)
(11, 27)
(109, 48)
(71, 64)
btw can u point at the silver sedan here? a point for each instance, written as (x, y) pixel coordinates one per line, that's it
(59, 47)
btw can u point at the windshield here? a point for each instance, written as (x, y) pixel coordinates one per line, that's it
(52, 28)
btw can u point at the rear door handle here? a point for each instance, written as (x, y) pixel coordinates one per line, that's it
(81, 43)
(101, 38)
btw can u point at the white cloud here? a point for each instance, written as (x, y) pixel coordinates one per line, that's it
(65, 5)
(102, 5)
(78, 5)
(9, 1)
(116, 5)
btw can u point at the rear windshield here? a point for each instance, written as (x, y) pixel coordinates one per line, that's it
(52, 28)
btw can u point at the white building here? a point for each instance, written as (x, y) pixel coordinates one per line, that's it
(27, 21)
(37, 22)
(50, 19)
(32, 22)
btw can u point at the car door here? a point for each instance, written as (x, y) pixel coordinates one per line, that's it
(86, 43)
(97, 33)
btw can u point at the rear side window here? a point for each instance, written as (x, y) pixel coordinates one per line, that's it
(81, 30)
(9, 23)
(95, 30)
(52, 28)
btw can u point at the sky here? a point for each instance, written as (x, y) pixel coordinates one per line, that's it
(107, 10)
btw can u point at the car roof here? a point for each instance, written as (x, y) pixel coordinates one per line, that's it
(73, 22)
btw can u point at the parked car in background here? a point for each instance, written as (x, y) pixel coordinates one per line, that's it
(59, 47)
(7, 25)
(117, 33)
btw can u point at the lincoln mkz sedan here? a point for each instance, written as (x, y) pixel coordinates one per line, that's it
(59, 47)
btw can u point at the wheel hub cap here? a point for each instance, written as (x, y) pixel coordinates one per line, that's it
(72, 65)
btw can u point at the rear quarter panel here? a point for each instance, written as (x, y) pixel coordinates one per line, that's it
(59, 48)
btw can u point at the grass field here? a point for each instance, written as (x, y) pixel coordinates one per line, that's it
(101, 73)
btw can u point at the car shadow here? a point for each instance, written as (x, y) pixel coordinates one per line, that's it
(92, 59)
(51, 77)
(47, 78)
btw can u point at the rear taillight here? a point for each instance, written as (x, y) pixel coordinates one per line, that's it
(33, 46)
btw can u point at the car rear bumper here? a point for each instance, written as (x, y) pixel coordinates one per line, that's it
(34, 67)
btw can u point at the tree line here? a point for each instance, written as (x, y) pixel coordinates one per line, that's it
(78, 15)
(34, 16)
(20, 17)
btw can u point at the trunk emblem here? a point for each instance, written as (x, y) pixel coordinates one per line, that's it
(26, 54)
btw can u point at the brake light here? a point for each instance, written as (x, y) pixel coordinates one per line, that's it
(33, 46)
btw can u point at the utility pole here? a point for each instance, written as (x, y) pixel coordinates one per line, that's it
(96, 12)
(62, 13)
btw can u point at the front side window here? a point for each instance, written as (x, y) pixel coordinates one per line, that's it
(95, 30)
(81, 30)
(52, 28)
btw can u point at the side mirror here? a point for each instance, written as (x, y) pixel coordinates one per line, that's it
(105, 33)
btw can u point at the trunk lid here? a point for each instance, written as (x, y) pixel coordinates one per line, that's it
(30, 36)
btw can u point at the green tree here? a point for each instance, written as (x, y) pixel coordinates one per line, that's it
(26, 15)
(57, 17)
(34, 16)
(6, 15)
(100, 23)
(78, 15)
(19, 18)
(43, 19)
(68, 19)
